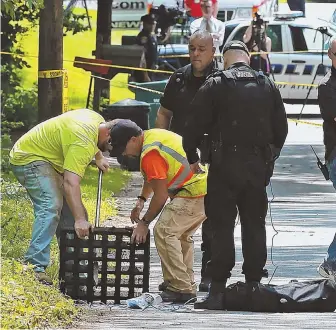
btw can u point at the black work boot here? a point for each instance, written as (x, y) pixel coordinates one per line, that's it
(204, 285)
(216, 298)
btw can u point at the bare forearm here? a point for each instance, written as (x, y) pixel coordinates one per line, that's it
(156, 205)
(74, 200)
(146, 190)
(162, 120)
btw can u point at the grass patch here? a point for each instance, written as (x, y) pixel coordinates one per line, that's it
(113, 181)
(24, 302)
(80, 44)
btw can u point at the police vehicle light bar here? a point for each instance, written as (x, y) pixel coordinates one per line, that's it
(288, 15)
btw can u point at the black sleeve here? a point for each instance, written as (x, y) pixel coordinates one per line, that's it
(279, 119)
(200, 120)
(327, 102)
(167, 100)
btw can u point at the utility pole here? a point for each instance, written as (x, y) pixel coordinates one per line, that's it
(50, 58)
(103, 36)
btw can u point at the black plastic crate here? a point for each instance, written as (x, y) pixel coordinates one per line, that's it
(105, 267)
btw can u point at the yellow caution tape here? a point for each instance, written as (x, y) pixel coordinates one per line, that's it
(251, 53)
(65, 95)
(49, 74)
(165, 71)
(294, 84)
(305, 122)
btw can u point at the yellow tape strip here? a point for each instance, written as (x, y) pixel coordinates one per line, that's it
(253, 53)
(65, 95)
(49, 74)
(305, 122)
(164, 71)
(294, 84)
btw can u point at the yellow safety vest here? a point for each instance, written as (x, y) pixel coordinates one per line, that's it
(181, 181)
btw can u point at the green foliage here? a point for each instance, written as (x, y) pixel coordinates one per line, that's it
(5, 145)
(113, 181)
(19, 109)
(9, 7)
(19, 106)
(18, 17)
(74, 23)
(25, 303)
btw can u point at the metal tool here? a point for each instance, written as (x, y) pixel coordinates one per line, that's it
(97, 221)
(99, 194)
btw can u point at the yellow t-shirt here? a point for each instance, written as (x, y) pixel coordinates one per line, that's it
(67, 142)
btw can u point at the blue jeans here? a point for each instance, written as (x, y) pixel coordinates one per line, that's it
(332, 173)
(45, 188)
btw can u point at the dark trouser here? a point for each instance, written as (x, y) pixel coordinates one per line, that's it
(222, 203)
(206, 249)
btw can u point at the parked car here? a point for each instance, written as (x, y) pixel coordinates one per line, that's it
(299, 46)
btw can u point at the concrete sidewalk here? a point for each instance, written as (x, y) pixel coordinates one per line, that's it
(303, 215)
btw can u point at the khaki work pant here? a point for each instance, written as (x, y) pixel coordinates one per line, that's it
(173, 232)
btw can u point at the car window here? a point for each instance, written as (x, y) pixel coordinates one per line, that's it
(308, 39)
(273, 31)
(228, 31)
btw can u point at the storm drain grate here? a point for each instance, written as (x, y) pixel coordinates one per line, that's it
(105, 267)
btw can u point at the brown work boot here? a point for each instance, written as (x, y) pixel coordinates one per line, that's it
(177, 297)
(43, 278)
(163, 286)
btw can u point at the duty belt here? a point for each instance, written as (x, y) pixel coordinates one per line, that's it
(243, 148)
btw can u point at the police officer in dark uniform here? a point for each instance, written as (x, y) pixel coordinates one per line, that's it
(175, 106)
(243, 112)
(148, 39)
(327, 103)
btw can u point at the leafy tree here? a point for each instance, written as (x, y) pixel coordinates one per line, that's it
(17, 18)
(9, 6)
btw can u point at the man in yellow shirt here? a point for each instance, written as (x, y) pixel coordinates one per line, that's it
(50, 161)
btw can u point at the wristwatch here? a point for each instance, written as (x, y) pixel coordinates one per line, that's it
(142, 198)
(143, 221)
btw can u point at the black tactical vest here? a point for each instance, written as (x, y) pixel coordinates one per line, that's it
(186, 88)
(245, 106)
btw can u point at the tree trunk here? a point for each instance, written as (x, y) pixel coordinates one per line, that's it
(103, 36)
(50, 58)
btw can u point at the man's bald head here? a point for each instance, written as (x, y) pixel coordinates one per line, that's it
(201, 51)
(202, 35)
(332, 51)
(233, 56)
(235, 51)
